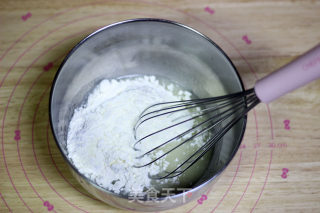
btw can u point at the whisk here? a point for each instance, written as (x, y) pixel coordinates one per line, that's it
(215, 116)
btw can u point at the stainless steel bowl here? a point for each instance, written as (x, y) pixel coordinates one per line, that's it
(151, 47)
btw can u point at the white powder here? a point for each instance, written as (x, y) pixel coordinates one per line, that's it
(100, 136)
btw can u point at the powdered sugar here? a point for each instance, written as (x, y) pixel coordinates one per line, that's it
(100, 136)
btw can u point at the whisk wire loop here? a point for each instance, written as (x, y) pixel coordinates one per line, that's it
(205, 148)
(221, 113)
(205, 110)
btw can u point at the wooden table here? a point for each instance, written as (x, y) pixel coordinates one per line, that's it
(277, 168)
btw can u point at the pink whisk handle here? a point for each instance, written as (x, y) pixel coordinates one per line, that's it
(297, 73)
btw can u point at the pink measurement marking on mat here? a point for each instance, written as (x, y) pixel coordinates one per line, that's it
(49, 206)
(284, 173)
(246, 39)
(286, 124)
(202, 198)
(17, 136)
(209, 10)
(226, 193)
(48, 67)
(264, 185)
(278, 145)
(26, 16)
(257, 145)
(5, 203)
(249, 181)
(242, 146)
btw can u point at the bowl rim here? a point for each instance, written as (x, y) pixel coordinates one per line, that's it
(74, 169)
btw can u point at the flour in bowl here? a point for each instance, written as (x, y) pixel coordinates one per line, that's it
(100, 136)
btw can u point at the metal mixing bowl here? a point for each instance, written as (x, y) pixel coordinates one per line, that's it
(145, 47)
